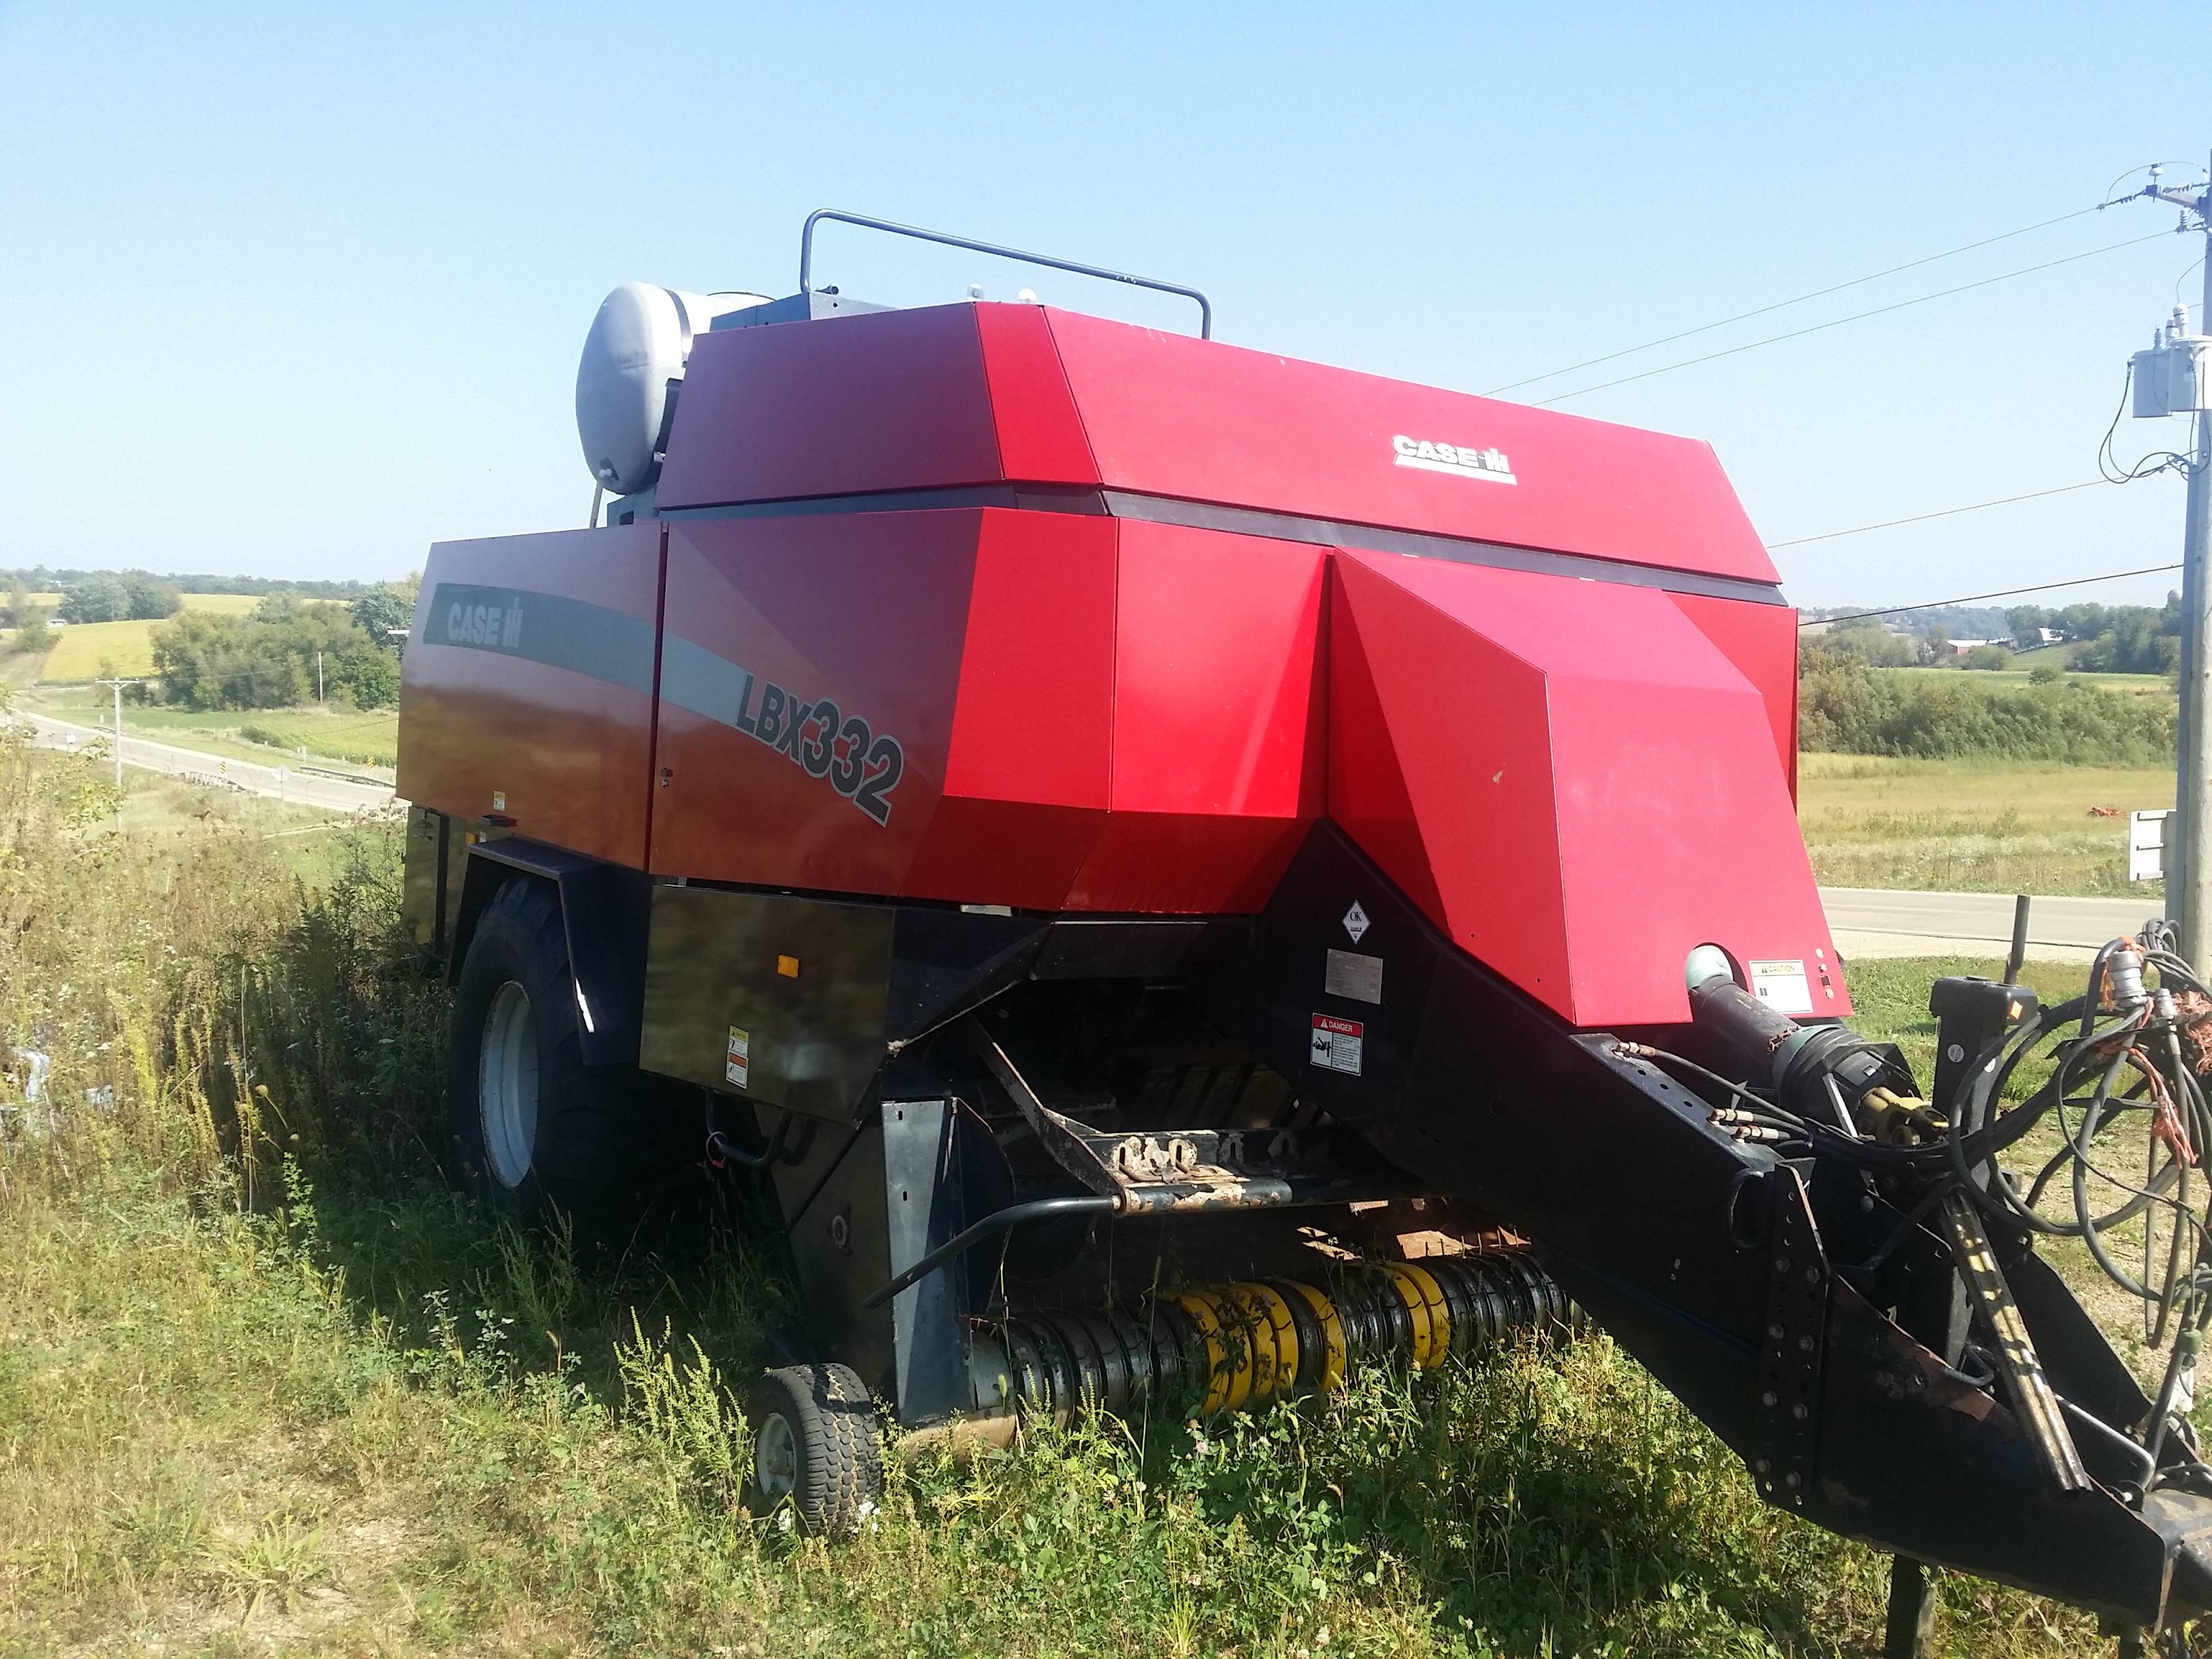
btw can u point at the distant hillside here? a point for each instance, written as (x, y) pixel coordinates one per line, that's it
(41, 579)
(1958, 621)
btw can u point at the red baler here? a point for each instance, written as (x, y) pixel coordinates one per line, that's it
(1018, 776)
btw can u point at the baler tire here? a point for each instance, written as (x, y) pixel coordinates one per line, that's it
(815, 1443)
(607, 1141)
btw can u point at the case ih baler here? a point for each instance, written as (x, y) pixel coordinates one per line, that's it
(1094, 811)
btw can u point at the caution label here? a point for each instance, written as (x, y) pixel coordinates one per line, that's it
(1337, 1043)
(1782, 985)
(738, 1064)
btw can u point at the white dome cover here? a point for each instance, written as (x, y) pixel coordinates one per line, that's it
(635, 354)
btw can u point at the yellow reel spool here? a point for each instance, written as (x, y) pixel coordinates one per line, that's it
(1274, 1339)
(1431, 1315)
(1204, 1309)
(1335, 1357)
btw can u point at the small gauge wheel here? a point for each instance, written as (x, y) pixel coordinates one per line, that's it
(815, 1447)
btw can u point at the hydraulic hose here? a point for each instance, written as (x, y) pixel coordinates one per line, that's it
(960, 1242)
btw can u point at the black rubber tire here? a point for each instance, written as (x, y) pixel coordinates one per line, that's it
(611, 1142)
(831, 1422)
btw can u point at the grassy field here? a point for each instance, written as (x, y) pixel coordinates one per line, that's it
(266, 1387)
(84, 650)
(2133, 685)
(1968, 826)
(270, 737)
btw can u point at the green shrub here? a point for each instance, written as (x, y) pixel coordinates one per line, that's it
(1845, 707)
(133, 596)
(269, 659)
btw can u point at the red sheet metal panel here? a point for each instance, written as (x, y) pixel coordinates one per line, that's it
(1217, 726)
(1040, 432)
(527, 686)
(1027, 775)
(809, 672)
(971, 394)
(1761, 640)
(1173, 415)
(1091, 716)
(1593, 784)
(1450, 729)
(874, 401)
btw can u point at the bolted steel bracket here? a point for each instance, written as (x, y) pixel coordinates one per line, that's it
(1786, 1424)
(1180, 1169)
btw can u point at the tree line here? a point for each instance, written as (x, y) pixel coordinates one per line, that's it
(287, 650)
(1846, 706)
(2118, 638)
(292, 648)
(41, 579)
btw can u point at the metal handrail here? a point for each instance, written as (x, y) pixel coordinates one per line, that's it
(806, 260)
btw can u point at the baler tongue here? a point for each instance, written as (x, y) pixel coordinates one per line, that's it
(1989, 1426)
(1872, 1332)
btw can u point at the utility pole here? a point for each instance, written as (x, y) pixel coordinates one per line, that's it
(319, 677)
(118, 685)
(2188, 854)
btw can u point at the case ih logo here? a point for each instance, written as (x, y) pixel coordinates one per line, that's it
(496, 625)
(1488, 465)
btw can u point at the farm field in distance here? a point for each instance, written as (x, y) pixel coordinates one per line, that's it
(84, 651)
(2133, 685)
(1973, 826)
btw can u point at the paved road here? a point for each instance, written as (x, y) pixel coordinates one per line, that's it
(282, 783)
(1869, 922)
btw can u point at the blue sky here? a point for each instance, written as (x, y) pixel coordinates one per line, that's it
(299, 290)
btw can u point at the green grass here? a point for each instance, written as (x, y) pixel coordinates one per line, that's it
(268, 736)
(84, 650)
(265, 1386)
(2135, 686)
(1968, 826)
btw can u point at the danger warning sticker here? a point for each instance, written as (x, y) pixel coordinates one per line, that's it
(739, 1061)
(1337, 1043)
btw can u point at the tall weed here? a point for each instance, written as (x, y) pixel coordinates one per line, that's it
(267, 1386)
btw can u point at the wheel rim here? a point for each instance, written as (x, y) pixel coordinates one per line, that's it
(776, 1457)
(507, 1084)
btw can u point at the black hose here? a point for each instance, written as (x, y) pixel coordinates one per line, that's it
(1967, 1153)
(719, 1146)
(998, 1221)
(2091, 1230)
(1754, 1103)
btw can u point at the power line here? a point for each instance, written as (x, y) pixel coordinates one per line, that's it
(1948, 511)
(1783, 304)
(2002, 594)
(1856, 317)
